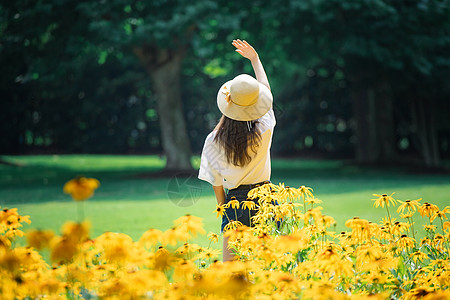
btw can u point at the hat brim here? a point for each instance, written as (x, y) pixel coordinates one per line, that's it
(245, 113)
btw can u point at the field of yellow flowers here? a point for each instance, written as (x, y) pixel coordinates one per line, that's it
(290, 253)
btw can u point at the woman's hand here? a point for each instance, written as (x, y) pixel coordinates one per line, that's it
(245, 49)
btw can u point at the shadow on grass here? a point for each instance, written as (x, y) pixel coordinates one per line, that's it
(41, 178)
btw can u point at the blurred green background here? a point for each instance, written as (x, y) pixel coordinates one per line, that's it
(125, 91)
(362, 80)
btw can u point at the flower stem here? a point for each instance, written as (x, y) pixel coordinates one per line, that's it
(80, 211)
(390, 222)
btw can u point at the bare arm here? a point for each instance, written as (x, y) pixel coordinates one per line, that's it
(220, 194)
(247, 51)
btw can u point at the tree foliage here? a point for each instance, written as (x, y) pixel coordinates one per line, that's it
(350, 78)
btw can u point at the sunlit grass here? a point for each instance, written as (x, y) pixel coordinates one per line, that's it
(131, 203)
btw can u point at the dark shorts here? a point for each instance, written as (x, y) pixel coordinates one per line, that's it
(239, 214)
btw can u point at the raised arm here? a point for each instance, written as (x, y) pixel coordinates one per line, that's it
(247, 51)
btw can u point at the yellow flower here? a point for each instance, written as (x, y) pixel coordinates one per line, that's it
(220, 210)
(213, 237)
(174, 235)
(188, 250)
(446, 225)
(191, 224)
(360, 227)
(438, 241)
(428, 209)
(77, 232)
(429, 227)
(81, 188)
(312, 201)
(209, 253)
(399, 227)
(233, 225)
(163, 260)
(328, 221)
(419, 292)
(39, 239)
(233, 203)
(418, 256)
(407, 215)
(384, 200)
(248, 204)
(409, 205)
(116, 247)
(293, 242)
(150, 238)
(440, 214)
(305, 191)
(406, 242)
(184, 270)
(425, 241)
(63, 250)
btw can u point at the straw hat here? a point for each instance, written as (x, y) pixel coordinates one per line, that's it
(244, 98)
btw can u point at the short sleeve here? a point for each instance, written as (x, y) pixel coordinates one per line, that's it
(267, 121)
(210, 163)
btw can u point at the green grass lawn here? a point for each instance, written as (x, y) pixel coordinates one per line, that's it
(131, 203)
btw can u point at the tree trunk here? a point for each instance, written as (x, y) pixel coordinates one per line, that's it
(384, 123)
(375, 131)
(366, 149)
(423, 121)
(164, 67)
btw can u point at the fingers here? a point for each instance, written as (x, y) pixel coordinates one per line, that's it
(247, 44)
(240, 44)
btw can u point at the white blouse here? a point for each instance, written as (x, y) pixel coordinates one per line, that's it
(215, 169)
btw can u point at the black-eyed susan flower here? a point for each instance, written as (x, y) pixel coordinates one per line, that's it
(406, 242)
(184, 270)
(428, 209)
(151, 238)
(163, 259)
(419, 292)
(305, 192)
(81, 188)
(39, 239)
(418, 256)
(429, 227)
(77, 232)
(312, 201)
(233, 203)
(438, 241)
(233, 225)
(357, 224)
(425, 241)
(399, 227)
(192, 224)
(408, 205)
(213, 237)
(117, 248)
(328, 221)
(63, 249)
(383, 200)
(248, 204)
(174, 235)
(441, 214)
(446, 225)
(407, 215)
(220, 210)
(188, 250)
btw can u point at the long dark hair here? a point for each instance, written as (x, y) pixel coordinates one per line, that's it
(238, 139)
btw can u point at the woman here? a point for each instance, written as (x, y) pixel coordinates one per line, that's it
(236, 154)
